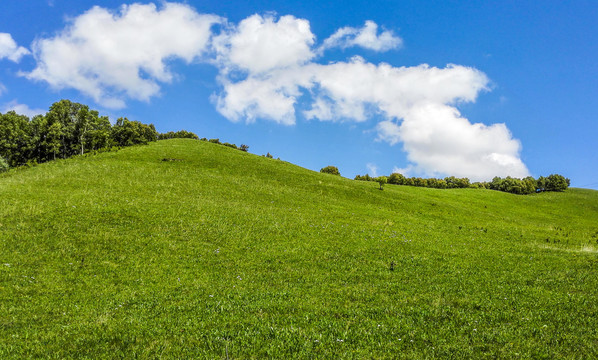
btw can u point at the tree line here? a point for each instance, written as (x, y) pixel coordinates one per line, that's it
(69, 129)
(528, 185)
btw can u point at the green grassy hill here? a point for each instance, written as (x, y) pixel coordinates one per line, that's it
(220, 254)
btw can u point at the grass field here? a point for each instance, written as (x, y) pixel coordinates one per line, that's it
(217, 254)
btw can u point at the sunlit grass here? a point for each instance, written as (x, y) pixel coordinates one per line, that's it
(224, 252)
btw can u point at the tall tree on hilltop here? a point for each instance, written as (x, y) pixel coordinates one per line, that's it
(14, 138)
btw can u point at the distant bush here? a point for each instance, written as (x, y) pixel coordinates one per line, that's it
(330, 170)
(269, 156)
(557, 182)
(3, 165)
(382, 180)
(454, 182)
(528, 185)
(181, 134)
(244, 147)
(396, 179)
(365, 177)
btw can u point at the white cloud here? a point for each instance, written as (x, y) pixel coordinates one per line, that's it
(366, 37)
(21, 109)
(269, 56)
(9, 48)
(438, 140)
(416, 105)
(268, 97)
(111, 56)
(259, 43)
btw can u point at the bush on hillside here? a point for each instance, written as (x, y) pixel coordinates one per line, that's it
(381, 180)
(396, 179)
(528, 185)
(330, 170)
(557, 182)
(365, 177)
(181, 134)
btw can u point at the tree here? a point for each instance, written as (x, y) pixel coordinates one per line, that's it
(15, 140)
(420, 182)
(541, 184)
(529, 185)
(556, 182)
(244, 147)
(181, 134)
(72, 118)
(53, 139)
(381, 180)
(365, 177)
(38, 137)
(396, 179)
(330, 170)
(98, 135)
(126, 133)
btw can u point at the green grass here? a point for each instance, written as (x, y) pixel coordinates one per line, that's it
(220, 253)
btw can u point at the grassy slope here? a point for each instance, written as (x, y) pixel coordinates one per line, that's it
(224, 252)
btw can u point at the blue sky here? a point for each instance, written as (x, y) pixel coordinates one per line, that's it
(427, 88)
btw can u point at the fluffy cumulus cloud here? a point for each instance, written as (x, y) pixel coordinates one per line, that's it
(9, 48)
(438, 140)
(109, 55)
(260, 43)
(268, 54)
(366, 37)
(416, 106)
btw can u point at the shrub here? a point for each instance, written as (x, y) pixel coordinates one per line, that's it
(244, 147)
(365, 177)
(557, 182)
(396, 179)
(381, 180)
(181, 134)
(330, 170)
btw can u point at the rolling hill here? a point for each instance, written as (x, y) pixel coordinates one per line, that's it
(187, 249)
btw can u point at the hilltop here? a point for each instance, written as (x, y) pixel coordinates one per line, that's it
(188, 249)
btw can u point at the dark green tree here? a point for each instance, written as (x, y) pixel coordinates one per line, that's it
(71, 117)
(15, 141)
(330, 170)
(556, 182)
(396, 179)
(127, 133)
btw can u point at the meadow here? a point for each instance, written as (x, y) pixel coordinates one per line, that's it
(188, 249)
